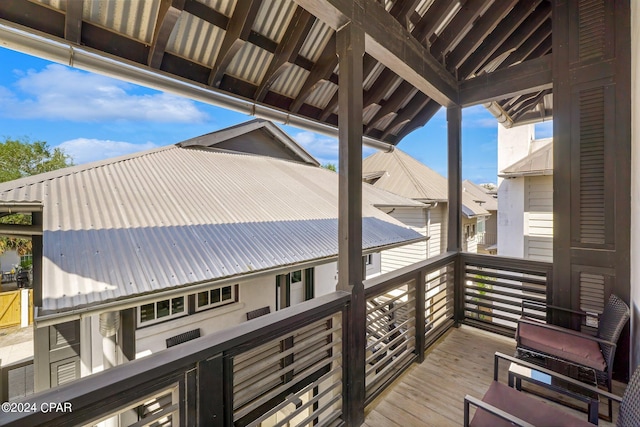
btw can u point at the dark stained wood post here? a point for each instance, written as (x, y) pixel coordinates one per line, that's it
(454, 232)
(350, 50)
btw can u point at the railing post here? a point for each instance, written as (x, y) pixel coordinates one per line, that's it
(419, 284)
(458, 289)
(350, 50)
(215, 392)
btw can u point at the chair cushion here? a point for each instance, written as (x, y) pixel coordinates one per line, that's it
(517, 403)
(579, 350)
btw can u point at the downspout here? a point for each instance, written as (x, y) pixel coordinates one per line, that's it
(499, 113)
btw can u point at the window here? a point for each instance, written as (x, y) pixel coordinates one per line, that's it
(159, 311)
(368, 259)
(296, 276)
(215, 297)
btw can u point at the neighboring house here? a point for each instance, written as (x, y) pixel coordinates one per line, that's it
(399, 173)
(525, 194)
(487, 229)
(144, 251)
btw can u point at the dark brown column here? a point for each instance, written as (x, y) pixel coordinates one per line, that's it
(592, 156)
(350, 49)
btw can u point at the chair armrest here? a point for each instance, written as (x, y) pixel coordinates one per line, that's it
(555, 307)
(567, 331)
(497, 356)
(493, 410)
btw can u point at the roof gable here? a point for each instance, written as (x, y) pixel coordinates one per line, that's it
(258, 136)
(538, 163)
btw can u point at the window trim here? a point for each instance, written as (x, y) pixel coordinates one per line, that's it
(210, 305)
(156, 320)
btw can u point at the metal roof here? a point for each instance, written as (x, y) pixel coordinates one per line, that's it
(480, 195)
(538, 163)
(399, 173)
(277, 54)
(176, 216)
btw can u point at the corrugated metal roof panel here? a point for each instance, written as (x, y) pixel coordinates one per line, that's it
(55, 4)
(386, 121)
(187, 40)
(225, 7)
(135, 19)
(322, 94)
(369, 112)
(371, 78)
(123, 227)
(487, 201)
(273, 18)
(540, 162)
(290, 82)
(316, 40)
(250, 63)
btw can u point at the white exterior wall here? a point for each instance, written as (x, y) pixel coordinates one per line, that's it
(395, 258)
(538, 218)
(470, 244)
(437, 218)
(635, 183)
(325, 278)
(253, 294)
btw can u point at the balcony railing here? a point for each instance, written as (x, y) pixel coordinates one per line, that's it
(289, 366)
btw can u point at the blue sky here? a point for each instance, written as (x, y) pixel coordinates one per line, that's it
(93, 117)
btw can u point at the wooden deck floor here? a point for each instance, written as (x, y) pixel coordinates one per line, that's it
(432, 393)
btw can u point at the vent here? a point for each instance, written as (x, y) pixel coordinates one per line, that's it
(591, 292)
(258, 313)
(184, 337)
(592, 189)
(66, 372)
(591, 29)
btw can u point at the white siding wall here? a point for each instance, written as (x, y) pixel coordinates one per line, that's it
(393, 259)
(538, 218)
(437, 230)
(470, 244)
(325, 278)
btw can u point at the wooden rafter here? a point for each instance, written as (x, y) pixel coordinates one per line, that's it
(454, 32)
(413, 107)
(375, 94)
(402, 9)
(287, 49)
(417, 120)
(391, 105)
(497, 37)
(525, 49)
(321, 71)
(237, 33)
(480, 30)
(168, 15)
(73, 21)
(432, 18)
(530, 104)
(526, 30)
(204, 12)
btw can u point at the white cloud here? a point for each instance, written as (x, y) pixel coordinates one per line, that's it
(83, 150)
(478, 117)
(61, 93)
(324, 148)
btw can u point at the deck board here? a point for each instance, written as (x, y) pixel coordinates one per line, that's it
(432, 393)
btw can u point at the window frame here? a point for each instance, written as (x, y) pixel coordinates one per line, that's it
(222, 302)
(172, 315)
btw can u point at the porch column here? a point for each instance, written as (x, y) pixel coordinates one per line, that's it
(454, 174)
(635, 185)
(350, 50)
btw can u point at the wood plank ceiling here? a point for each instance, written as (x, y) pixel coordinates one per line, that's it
(275, 53)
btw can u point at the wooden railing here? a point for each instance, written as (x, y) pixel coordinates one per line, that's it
(288, 367)
(496, 287)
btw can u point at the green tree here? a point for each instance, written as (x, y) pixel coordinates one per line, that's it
(20, 158)
(330, 166)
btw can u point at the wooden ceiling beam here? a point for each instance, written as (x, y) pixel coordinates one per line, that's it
(321, 71)
(168, 15)
(390, 43)
(206, 13)
(401, 10)
(526, 77)
(415, 121)
(73, 21)
(454, 32)
(498, 36)
(287, 49)
(476, 35)
(433, 17)
(526, 30)
(391, 105)
(237, 33)
(376, 92)
(522, 52)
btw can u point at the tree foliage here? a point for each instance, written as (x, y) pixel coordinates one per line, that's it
(330, 166)
(20, 158)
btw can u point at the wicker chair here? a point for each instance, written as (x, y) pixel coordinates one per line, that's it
(591, 352)
(506, 406)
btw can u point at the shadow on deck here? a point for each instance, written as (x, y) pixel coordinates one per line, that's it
(432, 393)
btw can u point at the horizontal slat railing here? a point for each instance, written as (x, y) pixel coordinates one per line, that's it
(495, 288)
(407, 310)
(285, 368)
(202, 371)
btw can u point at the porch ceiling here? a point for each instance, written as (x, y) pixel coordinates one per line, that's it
(281, 54)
